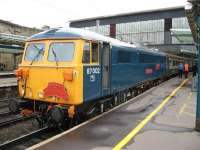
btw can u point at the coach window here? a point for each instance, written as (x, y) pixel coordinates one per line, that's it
(86, 52)
(95, 51)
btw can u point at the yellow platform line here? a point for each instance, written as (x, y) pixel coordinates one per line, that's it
(182, 109)
(126, 139)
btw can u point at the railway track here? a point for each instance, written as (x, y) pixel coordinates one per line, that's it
(9, 119)
(4, 114)
(29, 139)
(4, 102)
(3, 106)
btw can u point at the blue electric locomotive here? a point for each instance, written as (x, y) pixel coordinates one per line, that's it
(68, 72)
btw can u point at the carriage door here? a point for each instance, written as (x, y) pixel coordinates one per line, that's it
(105, 68)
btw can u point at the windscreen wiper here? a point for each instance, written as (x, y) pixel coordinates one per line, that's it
(40, 51)
(55, 57)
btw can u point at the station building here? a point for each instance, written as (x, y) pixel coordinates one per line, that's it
(164, 29)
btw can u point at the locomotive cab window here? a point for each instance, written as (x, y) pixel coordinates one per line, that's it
(34, 51)
(95, 51)
(61, 52)
(90, 53)
(86, 53)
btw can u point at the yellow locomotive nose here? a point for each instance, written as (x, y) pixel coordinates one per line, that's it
(51, 72)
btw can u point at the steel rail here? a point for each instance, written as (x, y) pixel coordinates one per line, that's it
(27, 137)
(12, 121)
(4, 114)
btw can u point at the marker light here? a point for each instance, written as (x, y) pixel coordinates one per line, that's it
(25, 73)
(19, 73)
(68, 75)
(22, 73)
(40, 95)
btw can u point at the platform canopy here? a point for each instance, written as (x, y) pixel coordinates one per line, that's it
(10, 39)
(10, 43)
(183, 35)
(11, 49)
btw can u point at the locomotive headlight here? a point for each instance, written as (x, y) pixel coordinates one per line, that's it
(18, 73)
(54, 98)
(30, 94)
(22, 91)
(40, 94)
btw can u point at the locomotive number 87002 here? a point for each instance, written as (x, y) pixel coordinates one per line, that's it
(69, 73)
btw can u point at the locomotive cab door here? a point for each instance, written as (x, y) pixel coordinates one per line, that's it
(105, 65)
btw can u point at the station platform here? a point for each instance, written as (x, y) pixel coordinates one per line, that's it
(8, 82)
(160, 118)
(6, 73)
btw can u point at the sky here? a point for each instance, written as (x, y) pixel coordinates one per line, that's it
(57, 13)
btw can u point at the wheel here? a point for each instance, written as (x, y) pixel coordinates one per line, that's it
(56, 116)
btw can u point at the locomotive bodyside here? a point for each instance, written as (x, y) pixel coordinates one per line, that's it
(131, 67)
(119, 69)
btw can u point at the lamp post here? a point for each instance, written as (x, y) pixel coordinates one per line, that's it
(198, 91)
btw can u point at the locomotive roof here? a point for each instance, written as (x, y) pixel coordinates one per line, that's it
(76, 33)
(63, 33)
